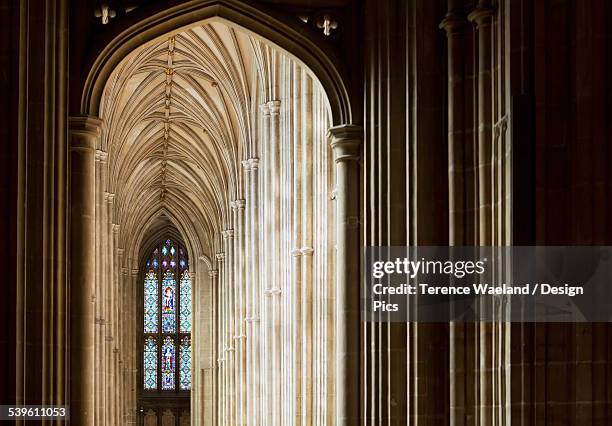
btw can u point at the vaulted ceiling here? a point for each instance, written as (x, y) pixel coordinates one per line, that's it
(180, 116)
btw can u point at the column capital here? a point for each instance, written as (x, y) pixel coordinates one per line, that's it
(274, 291)
(228, 233)
(135, 272)
(120, 251)
(109, 197)
(238, 204)
(115, 228)
(306, 251)
(254, 163)
(480, 15)
(87, 129)
(101, 156)
(274, 107)
(220, 257)
(453, 22)
(346, 141)
(250, 164)
(265, 109)
(213, 273)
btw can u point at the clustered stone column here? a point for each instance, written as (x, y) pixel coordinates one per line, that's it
(346, 142)
(277, 271)
(477, 194)
(85, 132)
(103, 384)
(251, 319)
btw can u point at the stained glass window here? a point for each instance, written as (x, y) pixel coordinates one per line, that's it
(167, 320)
(150, 363)
(168, 303)
(185, 303)
(185, 357)
(168, 361)
(150, 303)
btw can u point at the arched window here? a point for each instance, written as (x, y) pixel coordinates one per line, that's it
(166, 322)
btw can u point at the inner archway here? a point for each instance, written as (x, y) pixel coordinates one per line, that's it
(220, 135)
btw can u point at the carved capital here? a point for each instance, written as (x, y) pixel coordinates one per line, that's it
(228, 233)
(306, 251)
(109, 197)
(85, 131)
(274, 107)
(272, 292)
(238, 204)
(254, 163)
(346, 142)
(454, 22)
(481, 15)
(265, 109)
(101, 156)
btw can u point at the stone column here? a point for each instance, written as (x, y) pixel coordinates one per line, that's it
(134, 360)
(346, 142)
(247, 297)
(274, 290)
(110, 300)
(305, 297)
(298, 128)
(253, 323)
(101, 210)
(265, 271)
(239, 332)
(117, 325)
(461, 198)
(222, 343)
(213, 275)
(230, 358)
(125, 338)
(84, 133)
(455, 24)
(482, 16)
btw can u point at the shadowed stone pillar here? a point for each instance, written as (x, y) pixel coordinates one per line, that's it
(459, 176)
(101, 219)
(455, 24)
(482, 16)
(346, 141)
(85, 132)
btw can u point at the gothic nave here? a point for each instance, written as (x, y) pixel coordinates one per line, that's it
(190, 186)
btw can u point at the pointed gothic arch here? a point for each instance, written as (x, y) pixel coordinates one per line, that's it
(211, 266)
(300, 43)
